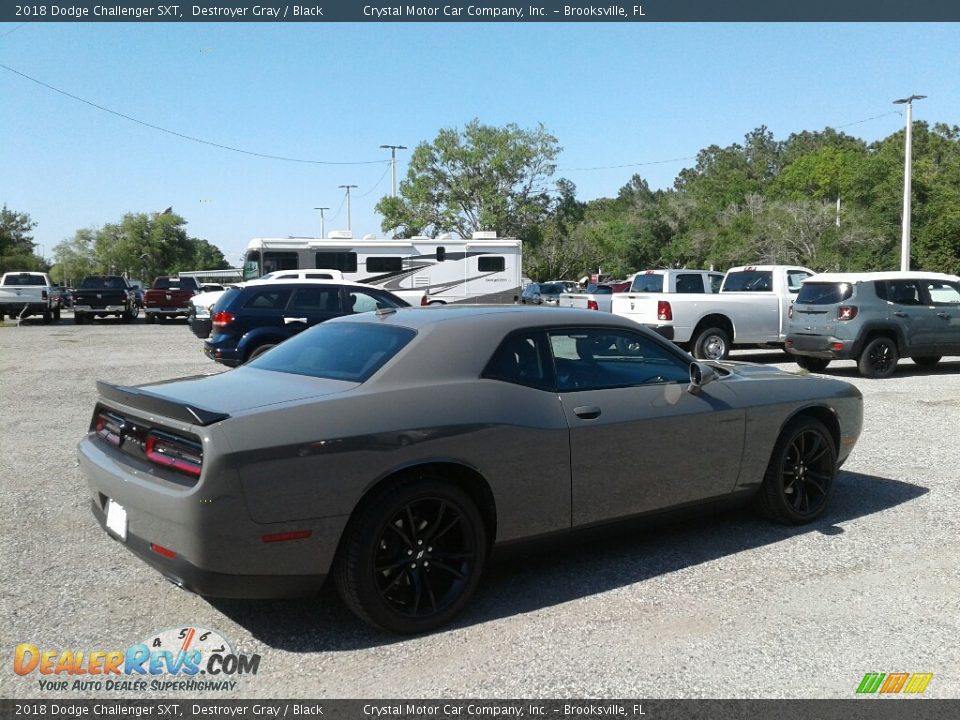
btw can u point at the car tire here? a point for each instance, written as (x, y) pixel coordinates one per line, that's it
(47, 316)
(259, 350)
(151, 318)
(879, 358)
(412, 555)
(711, 343)
(800, 477)
(927, 360)
(79, 318)
(812, 364)
(56, 314)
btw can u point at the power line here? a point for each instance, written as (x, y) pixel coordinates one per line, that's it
(377, 185)
(182, 135)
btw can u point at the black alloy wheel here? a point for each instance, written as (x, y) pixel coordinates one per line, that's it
(801, 473)
(879, 358)
(413, 557)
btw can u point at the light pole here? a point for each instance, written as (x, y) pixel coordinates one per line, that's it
(321, 209)
(393, 165)
(907, 172)
(348, 203)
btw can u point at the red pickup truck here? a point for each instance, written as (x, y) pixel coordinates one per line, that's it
(170, 297)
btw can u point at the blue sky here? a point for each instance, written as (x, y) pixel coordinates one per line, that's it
(612, 94)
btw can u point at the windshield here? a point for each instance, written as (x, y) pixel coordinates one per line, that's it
(337, 351)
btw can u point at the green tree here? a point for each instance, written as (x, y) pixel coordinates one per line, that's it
(16, 242)
(483, 178)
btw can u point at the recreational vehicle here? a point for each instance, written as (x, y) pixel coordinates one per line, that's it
(483, 269)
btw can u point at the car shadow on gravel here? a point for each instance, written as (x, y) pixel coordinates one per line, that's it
(540, 575)
(905, 368)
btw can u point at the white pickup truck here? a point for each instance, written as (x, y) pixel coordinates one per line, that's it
(750, 309)
(28, 293)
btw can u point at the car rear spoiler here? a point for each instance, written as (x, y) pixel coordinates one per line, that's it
(143, 400)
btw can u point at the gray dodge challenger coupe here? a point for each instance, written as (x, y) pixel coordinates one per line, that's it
(394, 449)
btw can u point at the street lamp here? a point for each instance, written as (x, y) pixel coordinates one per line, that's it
(393, 165)
(321, 209)
(907, 172)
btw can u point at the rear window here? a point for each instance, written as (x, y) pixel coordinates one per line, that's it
(165, 283)
(337, 351)
(647, 284)
(103, 283)
(551, 289)
(23, 279)
(815, 293)
(749, 281)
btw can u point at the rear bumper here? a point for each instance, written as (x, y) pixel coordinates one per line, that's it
(229, 356)
(200, 326)
(168, 311)
(203, 538)
(825, 347)
(214, 584)
(106, 309)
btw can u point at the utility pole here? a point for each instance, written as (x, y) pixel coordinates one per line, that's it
(393, 165)
(321, 209)
(348, 203)
(907, 173)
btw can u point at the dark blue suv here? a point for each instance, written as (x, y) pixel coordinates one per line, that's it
(249, 320)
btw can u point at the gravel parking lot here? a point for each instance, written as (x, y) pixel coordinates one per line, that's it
(727, 606)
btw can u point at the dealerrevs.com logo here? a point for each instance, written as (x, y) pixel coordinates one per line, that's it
(894, 683)
(189, 659)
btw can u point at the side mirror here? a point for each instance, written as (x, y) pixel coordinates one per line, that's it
(700, 375)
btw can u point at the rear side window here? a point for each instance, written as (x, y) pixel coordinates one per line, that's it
(359, 301)
(325, 299)
(267, 299)
(688, 283)
(749, 281)
(647, 284)
(520, 359)
(901, 292)
(824, 293)
(337, 351)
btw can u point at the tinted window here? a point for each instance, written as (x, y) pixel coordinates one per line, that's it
(384, 264)
(168, 283)
(491, 263)
(795, 279)
(688, 283)
(531, 290)
(551, 289)
(338, 351)
(325, 299)
(824, 293)
(647, 284)
(23, 280)
(519, 359)
(749, 281)
(903, 292)
(343, 261)
(716, 282)
(267, 299)
(596, 359)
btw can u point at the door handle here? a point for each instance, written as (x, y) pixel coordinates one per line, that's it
(288, 321)
(587, 412)
(900, 313)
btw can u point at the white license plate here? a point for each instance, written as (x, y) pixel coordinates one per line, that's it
(117, 519)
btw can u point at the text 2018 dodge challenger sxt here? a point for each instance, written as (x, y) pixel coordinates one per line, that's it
(392, 450)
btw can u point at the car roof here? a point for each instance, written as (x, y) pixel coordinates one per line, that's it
(508, 317)
(303, 281)
(858, 277)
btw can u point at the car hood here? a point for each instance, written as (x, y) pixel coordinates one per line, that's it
(244, 388)
(752, 370)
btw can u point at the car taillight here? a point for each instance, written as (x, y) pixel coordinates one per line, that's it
(592, 305)
(424, 300)
(222, 319)
(664, 311)
(174, 452)
(108, 427)
(43, 294)
(846, 312)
